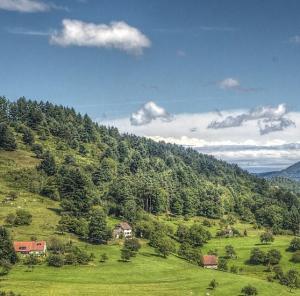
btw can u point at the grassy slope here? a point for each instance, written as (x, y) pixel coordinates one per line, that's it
(147, 274)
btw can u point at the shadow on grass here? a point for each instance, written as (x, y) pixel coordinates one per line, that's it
(55, 210)
(145, 254)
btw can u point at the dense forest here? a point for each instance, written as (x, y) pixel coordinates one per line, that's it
(88, 167)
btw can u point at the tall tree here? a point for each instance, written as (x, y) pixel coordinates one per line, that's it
(7, 251)
(98, 230)
(7, 138)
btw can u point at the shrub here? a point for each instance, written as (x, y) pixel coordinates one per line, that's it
(103, 257)
(5, 267)
(213, 284)
(294, 244)
(273, 257)
(266, 238)
(296, 257)
(206, 223)
(234, 269)
(56, 245)
(31, 260)
(165, 246)
(249, 291)
(55, 260)
(22, 217)
(257, 256)
(223, 264)
(132, 244)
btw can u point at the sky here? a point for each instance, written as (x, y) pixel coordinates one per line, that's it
(219, 76)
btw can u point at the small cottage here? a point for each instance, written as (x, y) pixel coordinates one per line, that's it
(210, 261)
(123, 229)
(33, 247)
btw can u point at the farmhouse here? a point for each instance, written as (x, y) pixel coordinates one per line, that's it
(210, 261)
(123, 229)
(34, 247)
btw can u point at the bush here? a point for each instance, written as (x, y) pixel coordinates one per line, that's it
(103, 257)
(5, 267)
(266, 238)
(273, 257)
(249, 291)
(56, 245)
(37, 149)
(31, 260)
(189, 253)
(296, 257)
(165, 246)
(223, 264)
(22, 217)
(213, 284)
(55, 260)
(206, 223)
(294, 244)
(257, 256)
(132, 244)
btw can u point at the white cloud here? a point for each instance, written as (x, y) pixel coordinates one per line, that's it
(234, 84)
(295, 39)
(149, 112)
(229, 83)
(24, 5)
(117, 35)
(269, 119)
(243, 144)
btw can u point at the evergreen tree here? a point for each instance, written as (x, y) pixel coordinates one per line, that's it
(28, 137)
(48, 164)
(7, 138)
(98, 232)
(7, 251)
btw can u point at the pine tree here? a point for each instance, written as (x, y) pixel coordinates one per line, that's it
(7, 138)
(48, 164)
(7, 252)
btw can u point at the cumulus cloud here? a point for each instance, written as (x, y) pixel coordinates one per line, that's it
(118, 35)
(269, 119)
(24, 5)
(234, 84)
(243, 145)
(229, 83)
(149, 112)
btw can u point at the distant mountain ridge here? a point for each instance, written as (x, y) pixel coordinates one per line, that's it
(292, 172)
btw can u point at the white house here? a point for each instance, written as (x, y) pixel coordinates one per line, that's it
(122, 230)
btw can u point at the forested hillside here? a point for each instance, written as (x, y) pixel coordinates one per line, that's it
(86, 166)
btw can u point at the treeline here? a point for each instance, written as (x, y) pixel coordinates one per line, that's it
(85, 165)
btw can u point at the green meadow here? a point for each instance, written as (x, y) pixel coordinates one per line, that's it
(146, 274)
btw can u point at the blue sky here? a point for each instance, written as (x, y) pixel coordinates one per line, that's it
(187, 57)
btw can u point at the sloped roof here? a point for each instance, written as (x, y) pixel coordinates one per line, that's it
(209, 260)
(125, 226)
(35, 246)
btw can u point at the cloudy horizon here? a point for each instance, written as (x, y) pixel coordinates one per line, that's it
(234, 140)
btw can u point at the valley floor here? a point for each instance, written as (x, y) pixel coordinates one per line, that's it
(147, 274)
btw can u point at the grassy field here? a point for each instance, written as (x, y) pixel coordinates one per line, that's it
(146, 274)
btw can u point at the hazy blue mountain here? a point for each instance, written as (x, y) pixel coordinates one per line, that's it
(292, 172)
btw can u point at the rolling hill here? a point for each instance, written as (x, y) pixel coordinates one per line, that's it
(292, 172)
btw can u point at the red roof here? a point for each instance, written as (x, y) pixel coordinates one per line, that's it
(26, 247)
(209, 260)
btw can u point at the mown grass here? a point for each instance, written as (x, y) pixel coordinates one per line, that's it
(147, 274)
